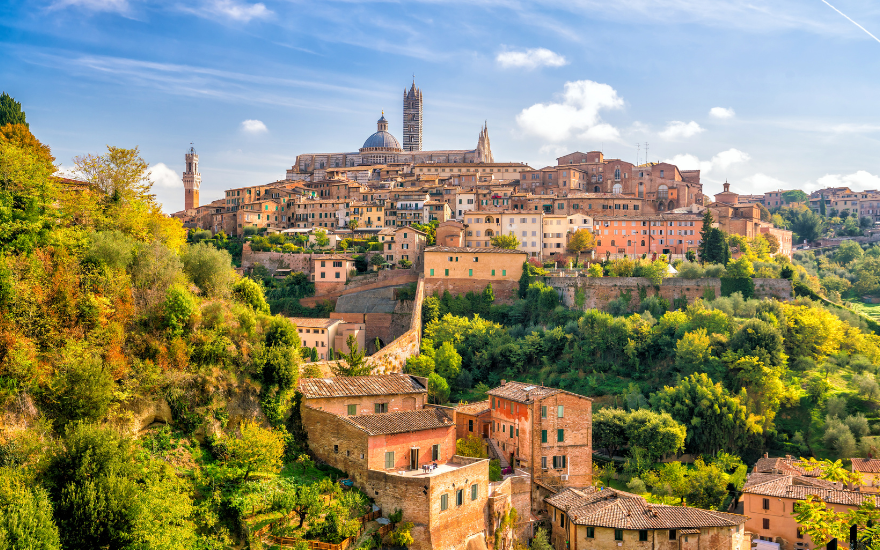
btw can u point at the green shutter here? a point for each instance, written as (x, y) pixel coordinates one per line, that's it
(470, 272)
(543, 436)
(447, 273)
(432, 273)
(543, 411)
(560, 436)
(444, 502)
(504, 273)
(493, 272)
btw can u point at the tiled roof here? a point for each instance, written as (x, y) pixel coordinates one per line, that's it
(473, 409)
(331, 257)
(466, 250)
(313, 322)
(522, 392)
(785, 465)
(401, 422)
(800, 487)
(351, 386)
(866, 465)
(621, 510)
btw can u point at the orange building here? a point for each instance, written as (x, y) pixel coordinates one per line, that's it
(461, 270)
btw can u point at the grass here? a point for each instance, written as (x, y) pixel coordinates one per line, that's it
(868, 310)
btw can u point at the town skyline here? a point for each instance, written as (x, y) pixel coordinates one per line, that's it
(735, 93)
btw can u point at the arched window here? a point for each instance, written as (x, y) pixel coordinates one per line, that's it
(612, 242)
(618, 189)
(489, 219)
(663, 192)
(643, 242)
(490, 233)
(596, 189)
(617, 173)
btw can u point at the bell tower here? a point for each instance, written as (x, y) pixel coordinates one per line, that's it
(412, 119)
(192, 180)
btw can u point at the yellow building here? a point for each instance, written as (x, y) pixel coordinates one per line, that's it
(460, 270)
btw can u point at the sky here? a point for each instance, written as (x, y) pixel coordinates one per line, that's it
(774, 94)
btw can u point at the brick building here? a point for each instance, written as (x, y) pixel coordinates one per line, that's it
(464, 269)
(546, 431)
(605, 519)
(326, 334)
(330, 272)
(378, 430)
(405, 243)
(473, 419)
(451, 233)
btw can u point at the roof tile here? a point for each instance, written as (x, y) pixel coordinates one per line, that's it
(351, 386)
(402, 422)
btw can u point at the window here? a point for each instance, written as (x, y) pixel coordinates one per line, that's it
(543, 436)
(444, 502)
(435, 452)
(335, 448)
(560, 411)
(459, 497)
(560, 462)
(766, 504)
(504, 273)
(618, 534)
(447, 273)
(543, 411)
(766, 523)
(389, 460)
(432, 273)
(470, 425)
(560, 435)
(672, 534)
(381, 408)
(352, 410)
(470, 272)
(643, 535)
(493, 272)
(475, 491)
(544, 462)
(493, 402)
(337, 274)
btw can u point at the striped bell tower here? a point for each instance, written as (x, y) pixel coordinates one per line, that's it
(412, 119)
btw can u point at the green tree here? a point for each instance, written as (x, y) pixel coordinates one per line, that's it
(256, 449)
(438, 388)
(596, 270)
(209, 268)
(821, 523)
(178, 309)
(402, 535)
(847, 252)
(25, 514)
(740, 268)
(580, 241)
(693, 353)
(354, 362)
(307, 502)
(447, 361)
(707, 486)
(609, 430)
(706, 231)
(10, 111)
(508, 242)
(321, 238)
(807, 225)
(795, 195)
(540, 540)
(352, 225)
(658, 433)
(377, 260)
(718, 249)
(715, 419)
(759, 339)
(249, 292)
(26, 196)
(471, 446)
(82, 388)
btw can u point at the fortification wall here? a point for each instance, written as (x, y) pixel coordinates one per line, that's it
(505, 291)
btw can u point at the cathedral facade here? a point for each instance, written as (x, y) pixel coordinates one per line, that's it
(383, 148)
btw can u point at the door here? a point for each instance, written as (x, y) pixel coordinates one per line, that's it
(414, 458)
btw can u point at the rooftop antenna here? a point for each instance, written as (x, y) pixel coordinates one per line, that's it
(646, 152)
(638, 152)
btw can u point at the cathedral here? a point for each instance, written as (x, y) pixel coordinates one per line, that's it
(383, 148)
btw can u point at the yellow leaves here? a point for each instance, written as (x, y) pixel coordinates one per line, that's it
(813, 330)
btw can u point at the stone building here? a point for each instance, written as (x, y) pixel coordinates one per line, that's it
(545, 431)
(405, 243)
(606, 519)
(357, 395)
(462, 269)
(330, 272)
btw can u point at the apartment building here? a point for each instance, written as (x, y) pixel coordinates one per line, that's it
(326, 334)
(527, 227)
(647, 234)
(546, 431)
(464, 269)
(405, 243)
(366, 214)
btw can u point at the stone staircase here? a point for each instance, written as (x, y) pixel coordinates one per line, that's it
(494, 450)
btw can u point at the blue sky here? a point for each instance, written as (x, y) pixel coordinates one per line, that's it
(774, 94)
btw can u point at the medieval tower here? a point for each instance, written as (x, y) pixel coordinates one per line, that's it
(192, 180)
(412, 119)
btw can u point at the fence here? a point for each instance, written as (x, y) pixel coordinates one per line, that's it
(317, 545)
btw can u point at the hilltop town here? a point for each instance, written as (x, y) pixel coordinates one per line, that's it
(396, 347)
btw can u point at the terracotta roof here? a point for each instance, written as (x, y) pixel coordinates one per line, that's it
(401, 422)
(473, 409)
(313, 322)
(350, 386)
(523, 392)
(621, 510)
(866, 465)
(467, 250)
(331, 257)
(787, 465)
(800, 487)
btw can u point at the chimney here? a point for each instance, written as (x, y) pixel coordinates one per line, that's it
(503, 381)
(766, 455)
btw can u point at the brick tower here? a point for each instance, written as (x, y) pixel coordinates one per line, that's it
(192, 180)
(412, 119)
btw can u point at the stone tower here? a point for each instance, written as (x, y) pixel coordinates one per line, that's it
(412, 119)
(484, 148)
(192, 180)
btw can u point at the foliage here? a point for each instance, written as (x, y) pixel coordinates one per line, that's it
(256, 449)
(25, 514)
(540, 541)
(10, 111)
(208, 267)
(507, 242)
(402, 534)
(82, 389)
(471, 446)
(707, 486)
(580, 241)
(438, 388)
(353, 362)
(249, 292)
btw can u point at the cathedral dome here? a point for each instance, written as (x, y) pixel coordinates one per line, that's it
(382, 139)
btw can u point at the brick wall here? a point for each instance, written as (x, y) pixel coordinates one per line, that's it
(366, 404)
(599, 291)
(393, 356)
(505, 291)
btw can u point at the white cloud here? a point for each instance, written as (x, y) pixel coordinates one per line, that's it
(531, 59)
(239, 11)
(576, 113)
(162, 176)
(722, 161)
(679, 130)
(860, 180)
(721, 112)
(254, 126)
(762, 183)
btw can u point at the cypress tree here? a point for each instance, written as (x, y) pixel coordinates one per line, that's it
(705, 234)
(10, 111)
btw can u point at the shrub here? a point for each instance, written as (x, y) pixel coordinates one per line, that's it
(209, 268)
(114, 249)
(690, 270)
(82, 388)
(249, 292)
(637, 486)
(178, 309)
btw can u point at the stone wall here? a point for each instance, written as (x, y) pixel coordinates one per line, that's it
(505, 290)
(598, 291)
(393, 356)
(276, 260)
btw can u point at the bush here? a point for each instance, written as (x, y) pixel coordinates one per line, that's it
(637, 486)
(82, 389)
(179, 308)
(113, 249)
(249, 292)
(209, 268)
(690, 270)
